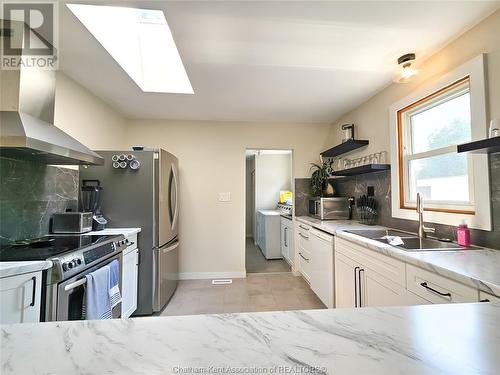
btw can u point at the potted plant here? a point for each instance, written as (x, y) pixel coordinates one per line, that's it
(319, 181)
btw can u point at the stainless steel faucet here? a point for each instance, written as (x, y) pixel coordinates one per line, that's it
(422, 229)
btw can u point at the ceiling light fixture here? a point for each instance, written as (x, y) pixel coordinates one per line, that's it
(141, 43)
(406, 70)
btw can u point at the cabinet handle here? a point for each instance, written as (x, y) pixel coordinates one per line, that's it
(356, 287)
(305, 228)
(286, 242)
(485, 300)
(359, 286)
(303, 257)
(34, 291)
(301, 235)
(424, 284)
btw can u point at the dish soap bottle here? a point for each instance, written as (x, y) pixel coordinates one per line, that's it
(463, 234)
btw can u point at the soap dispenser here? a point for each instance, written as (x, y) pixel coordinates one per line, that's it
(463, 234)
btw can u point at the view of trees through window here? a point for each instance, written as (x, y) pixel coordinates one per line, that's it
(434, 167)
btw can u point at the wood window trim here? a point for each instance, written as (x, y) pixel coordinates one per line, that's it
(400, 150)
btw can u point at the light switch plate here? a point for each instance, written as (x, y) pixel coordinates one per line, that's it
(225, 196)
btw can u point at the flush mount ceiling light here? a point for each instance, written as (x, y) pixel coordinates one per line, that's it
(141, 43)
(406, 70)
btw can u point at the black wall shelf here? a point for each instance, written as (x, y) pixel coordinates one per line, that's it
(484, 146)
(362, 169)
(350, 145)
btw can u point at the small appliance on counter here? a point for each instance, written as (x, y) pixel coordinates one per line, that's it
(91, 202)
(337, 208)
(72, 222)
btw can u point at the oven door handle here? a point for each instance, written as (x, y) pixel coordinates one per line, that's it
(77, 283)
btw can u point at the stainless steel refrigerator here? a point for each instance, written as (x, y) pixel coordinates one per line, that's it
(143, 191)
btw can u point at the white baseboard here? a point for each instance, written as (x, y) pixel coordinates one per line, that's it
(211, 275)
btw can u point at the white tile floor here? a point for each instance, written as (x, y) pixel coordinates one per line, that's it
(255, 262)
(258, 292)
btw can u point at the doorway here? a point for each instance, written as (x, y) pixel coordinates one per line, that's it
(268, 202)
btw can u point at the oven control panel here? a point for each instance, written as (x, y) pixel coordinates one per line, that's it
(78, 261)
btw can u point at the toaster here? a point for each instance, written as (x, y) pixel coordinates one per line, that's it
(72, 222)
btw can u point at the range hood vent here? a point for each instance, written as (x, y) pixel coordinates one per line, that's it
(27, 127)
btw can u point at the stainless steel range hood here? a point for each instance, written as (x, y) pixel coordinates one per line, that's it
(27, 129)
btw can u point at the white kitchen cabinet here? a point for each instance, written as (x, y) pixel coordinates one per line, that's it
(486, 297)
(345, 281)
(20, 298)
(436, 288)
(377, 290)
(287, 249)
(321, 266)
(365, 278)
(304, 250)
(130, 272)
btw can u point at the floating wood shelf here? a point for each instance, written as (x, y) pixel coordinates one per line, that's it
(347, 146)
(362, 169)
(484, 146)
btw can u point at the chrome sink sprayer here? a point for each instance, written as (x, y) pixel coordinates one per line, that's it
(422, 229)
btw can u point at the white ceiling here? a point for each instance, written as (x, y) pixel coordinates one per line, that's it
(299, 61)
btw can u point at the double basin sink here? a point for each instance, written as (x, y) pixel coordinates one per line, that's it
(411, 242)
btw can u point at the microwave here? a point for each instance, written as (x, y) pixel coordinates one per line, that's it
(330, 208)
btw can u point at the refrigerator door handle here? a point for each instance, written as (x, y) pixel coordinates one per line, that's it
(170, 248)
(176, 212)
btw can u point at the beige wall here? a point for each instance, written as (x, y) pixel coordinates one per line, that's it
(372, 117)
(212, 160)
(86, 117)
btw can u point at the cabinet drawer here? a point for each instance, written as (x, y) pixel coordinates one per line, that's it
(437, 289)
(388, 267)
(305, 264)
(486, 297)
(304, 238)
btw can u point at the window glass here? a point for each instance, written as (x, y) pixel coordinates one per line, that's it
(441, 125)
(440, 178)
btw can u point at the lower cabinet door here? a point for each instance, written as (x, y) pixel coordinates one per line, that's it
(20, 298)
(129, 282)
(345, 282)
(380, 291)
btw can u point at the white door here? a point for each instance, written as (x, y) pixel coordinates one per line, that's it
(283, 240)
(345, 281)
(129, 282)
(20, 298)
(322, 282)
(377, 290)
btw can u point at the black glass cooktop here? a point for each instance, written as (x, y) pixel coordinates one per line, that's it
(45, 247)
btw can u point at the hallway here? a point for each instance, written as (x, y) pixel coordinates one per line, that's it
(255, 262)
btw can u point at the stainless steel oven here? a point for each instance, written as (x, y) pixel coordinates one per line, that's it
(70, 294)
(66, 280)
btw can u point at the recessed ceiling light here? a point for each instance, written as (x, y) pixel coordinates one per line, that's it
(141, 42)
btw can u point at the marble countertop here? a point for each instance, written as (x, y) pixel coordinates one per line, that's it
(431, 339)
(112, 231)
(476, 268)
(17, 268)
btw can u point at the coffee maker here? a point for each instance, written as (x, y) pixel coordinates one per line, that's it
(91, 202)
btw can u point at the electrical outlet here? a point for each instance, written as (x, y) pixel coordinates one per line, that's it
(225, 196)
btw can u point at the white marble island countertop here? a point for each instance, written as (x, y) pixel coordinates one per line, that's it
(17, 268)
(477, 268)
(432, 339)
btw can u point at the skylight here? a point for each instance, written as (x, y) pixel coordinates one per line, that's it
(141, 42)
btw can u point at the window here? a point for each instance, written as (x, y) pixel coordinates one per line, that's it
(425, 126)
(428, 132)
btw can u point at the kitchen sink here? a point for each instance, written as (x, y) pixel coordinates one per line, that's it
(410, 241)
(374, 234)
